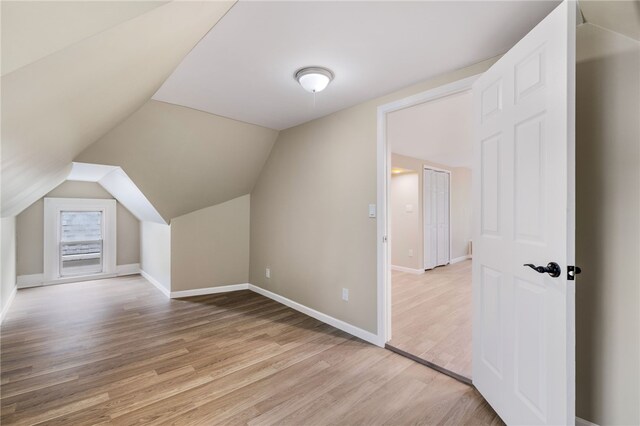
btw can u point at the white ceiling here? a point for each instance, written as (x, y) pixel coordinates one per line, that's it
(243, 68)
(439, 131)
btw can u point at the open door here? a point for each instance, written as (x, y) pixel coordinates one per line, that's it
(523, 198)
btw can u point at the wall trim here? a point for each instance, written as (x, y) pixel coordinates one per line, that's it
(32, 280)
(460, 259)
(339, 324)
(8, 304)
(409, 270)
(128, 269)
(156, 283)
(209, 290)
(583, 422)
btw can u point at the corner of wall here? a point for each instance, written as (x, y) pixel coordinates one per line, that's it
(8, 284)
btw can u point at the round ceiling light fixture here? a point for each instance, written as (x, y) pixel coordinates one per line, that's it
(314, 79)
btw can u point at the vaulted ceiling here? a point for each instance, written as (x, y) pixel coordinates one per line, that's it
(78, 78)
(182, 159)
(66, 83)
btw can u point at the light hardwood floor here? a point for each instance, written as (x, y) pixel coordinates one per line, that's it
(117, 351)
(431, 316)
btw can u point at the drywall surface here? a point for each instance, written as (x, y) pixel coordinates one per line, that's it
(460, 211)
(79, 87)
(8, 256)
(155, 252)
(309, 210)
(405, 206)
(184, 160)
(30, 228)
(407, 229)
(607, 227)
(210, 247)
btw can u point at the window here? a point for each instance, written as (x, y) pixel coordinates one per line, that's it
(81, 243)
(80, 239)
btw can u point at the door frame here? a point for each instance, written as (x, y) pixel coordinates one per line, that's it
(383, 180)
(424, 217)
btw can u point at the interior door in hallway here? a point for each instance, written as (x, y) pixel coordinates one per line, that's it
(436, 216)
(524, 199)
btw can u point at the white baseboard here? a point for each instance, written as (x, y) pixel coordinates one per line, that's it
(339, 324)
(129, 269)
(459, 259)
(583, 422)
(8, 304)
(209, 290)
(33, 280)
(156, 283)
(409, 270)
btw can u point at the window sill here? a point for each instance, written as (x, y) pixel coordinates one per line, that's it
(79, 278)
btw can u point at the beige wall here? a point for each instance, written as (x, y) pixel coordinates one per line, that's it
(407, 229)
(406, 226)
(155, 252)
(182, 159)
(210, 247)
(309, 210)
(30, 228)
(8, 259)
(460, 211)
(608, 227)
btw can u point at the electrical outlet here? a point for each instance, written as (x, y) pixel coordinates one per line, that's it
(410, 252)
(345, 294)
(267, 273)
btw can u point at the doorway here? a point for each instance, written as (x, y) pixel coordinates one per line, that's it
(430, 232)
(523, 200)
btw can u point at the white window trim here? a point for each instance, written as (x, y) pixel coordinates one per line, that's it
(52, 209)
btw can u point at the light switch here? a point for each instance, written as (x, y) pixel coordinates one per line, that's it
(372, 210)
(409, 208)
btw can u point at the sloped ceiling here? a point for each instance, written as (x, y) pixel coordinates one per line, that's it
(32, 30)
(183, 159)
(440, 131)
(116, 182)
(619, 16)
(66, 99)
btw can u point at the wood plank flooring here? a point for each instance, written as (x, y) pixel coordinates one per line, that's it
(431, 316)
(118, 352)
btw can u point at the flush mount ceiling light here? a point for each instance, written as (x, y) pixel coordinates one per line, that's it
(314, 79)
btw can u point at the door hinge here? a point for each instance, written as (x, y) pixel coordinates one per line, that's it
(572, 271)
(384, 239)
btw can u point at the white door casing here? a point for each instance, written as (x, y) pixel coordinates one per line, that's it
(523, 198)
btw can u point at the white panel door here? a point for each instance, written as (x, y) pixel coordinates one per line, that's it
(430, 220)
(442, 217)
(524, 166)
